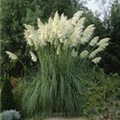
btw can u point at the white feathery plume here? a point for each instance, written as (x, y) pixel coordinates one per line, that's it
(68, 32)
(76, 17)
(50, 21)
(39, 23)
(64, 28)
(99, 49)
(94, 41)
(29, 32)
(56, 20)
(87, 34)
(11, 55)
(96, 60)
(33, 57)
(78, 29)
(74, 53)
(103, 46)
(74, 37)
(56, 17)
(93, 54)
(50, 32)
(84, 54)
(103, 41)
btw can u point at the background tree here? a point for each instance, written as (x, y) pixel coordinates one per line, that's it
(7, 101)
(108, 25)
(14, 14)
(111, 58)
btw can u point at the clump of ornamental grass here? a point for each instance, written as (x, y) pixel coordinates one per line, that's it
(65, 50)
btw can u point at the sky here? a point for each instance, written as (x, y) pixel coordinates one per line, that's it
(92, 5)
(97, 8)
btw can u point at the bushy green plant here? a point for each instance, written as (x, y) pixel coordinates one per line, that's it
(65, 54)
(7, 100)
(10, 115)
(112, 29)
(103, 97)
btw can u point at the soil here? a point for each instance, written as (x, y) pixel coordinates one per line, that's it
(64, 119)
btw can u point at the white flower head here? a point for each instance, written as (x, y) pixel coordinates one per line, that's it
(11, 55)
(29, 34)
(87, 34)
(103, 46)
(76, 17)
(94, 41)
(93, 54)
(96, 60)
(103, 41)
(84, 54)
(69, 32)
(33, 57)
(76, 34)
(74, 53)
(40, 24)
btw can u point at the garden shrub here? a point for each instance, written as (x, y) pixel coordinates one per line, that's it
(66, 52)
(103, 97)
(7, 100)
(10, 115)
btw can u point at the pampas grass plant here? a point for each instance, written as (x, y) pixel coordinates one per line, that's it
(65, 51)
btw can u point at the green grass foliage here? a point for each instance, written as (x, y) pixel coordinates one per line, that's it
(56, 89)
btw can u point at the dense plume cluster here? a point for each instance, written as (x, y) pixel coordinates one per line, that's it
(71, 34)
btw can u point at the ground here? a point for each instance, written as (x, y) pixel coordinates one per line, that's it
(64, 119)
